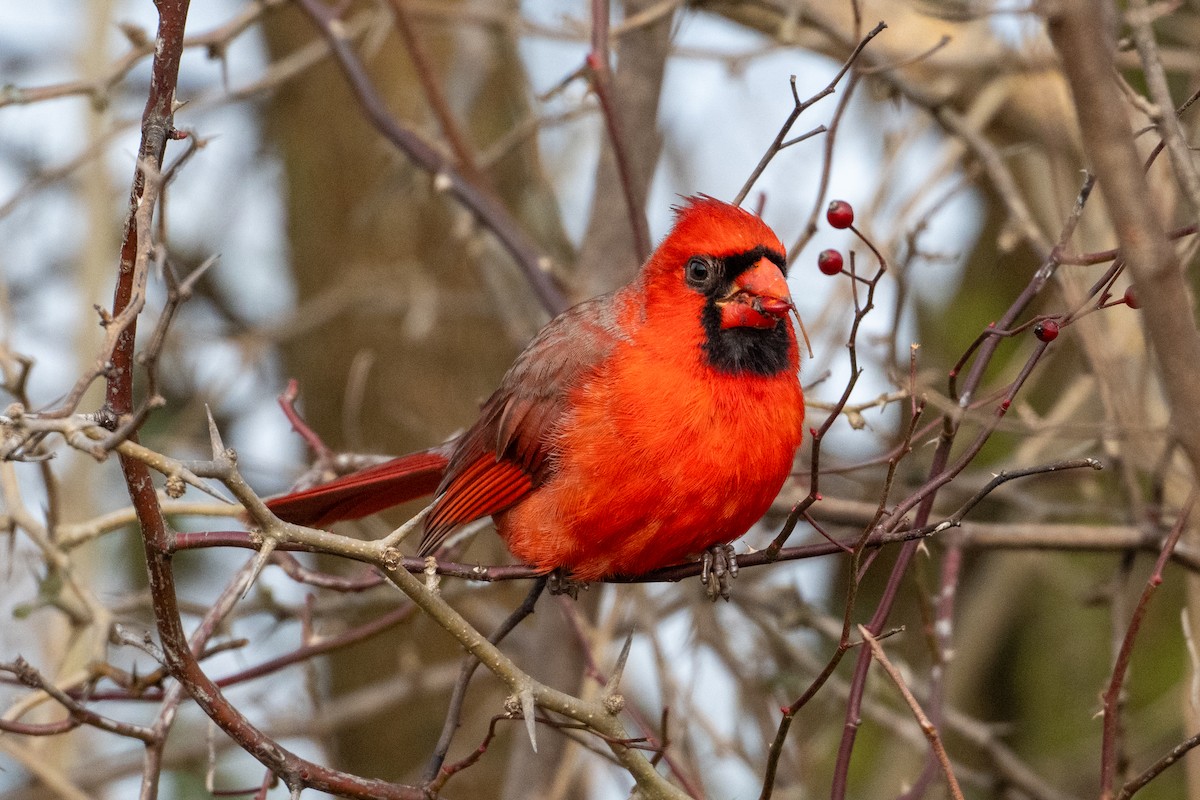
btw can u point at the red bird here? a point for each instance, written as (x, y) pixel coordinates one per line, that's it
(637, 429)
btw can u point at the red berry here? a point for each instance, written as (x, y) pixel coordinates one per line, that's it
(1131, 298)
(840, 214)
(1046, 331)
(829, 262)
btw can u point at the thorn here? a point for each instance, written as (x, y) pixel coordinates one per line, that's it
(528, 710)
(260, 561)
(614, 679)
(400, 534)
(191, 280)
(197, 483)
(214, 435)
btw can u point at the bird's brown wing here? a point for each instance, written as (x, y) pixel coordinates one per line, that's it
(509, 451)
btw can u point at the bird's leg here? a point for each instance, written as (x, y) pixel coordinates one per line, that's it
(559, 581)
(718, 570)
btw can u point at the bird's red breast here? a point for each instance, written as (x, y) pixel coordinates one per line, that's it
(643, 426)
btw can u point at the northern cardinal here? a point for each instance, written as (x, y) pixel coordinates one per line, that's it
(637, 429)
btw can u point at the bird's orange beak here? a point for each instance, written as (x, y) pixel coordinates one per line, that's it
(759, 298)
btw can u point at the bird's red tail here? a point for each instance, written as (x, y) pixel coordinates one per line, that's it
(366, 491)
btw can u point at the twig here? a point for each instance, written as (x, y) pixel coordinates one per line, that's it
(1080, 36)
(469, 665)
(835, 125)
(854, 568)
(576, 623)
(216, 41)
(798, 109)
(434, 94)
(1154, 770)
(941, 472)
(156, 131)
(287, 402)
(526, 690)
(1112, 695)
(168, 708)
(78, 711)
(1104, 256)
(818, 434)
(927, 727)
(1163, 116)
(598, 68)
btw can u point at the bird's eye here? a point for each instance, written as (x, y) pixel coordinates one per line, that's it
(699, 272)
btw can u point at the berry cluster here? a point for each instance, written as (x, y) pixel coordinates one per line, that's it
(840, 215)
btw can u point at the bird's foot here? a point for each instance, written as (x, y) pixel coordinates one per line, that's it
(560, 582)
(718, 570)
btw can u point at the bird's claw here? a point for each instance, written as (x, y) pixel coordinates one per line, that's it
(559, 581)
(717, 571)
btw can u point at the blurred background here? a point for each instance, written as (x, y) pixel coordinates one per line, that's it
(342, 264)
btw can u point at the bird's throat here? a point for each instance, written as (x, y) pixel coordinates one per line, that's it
(751, 350)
